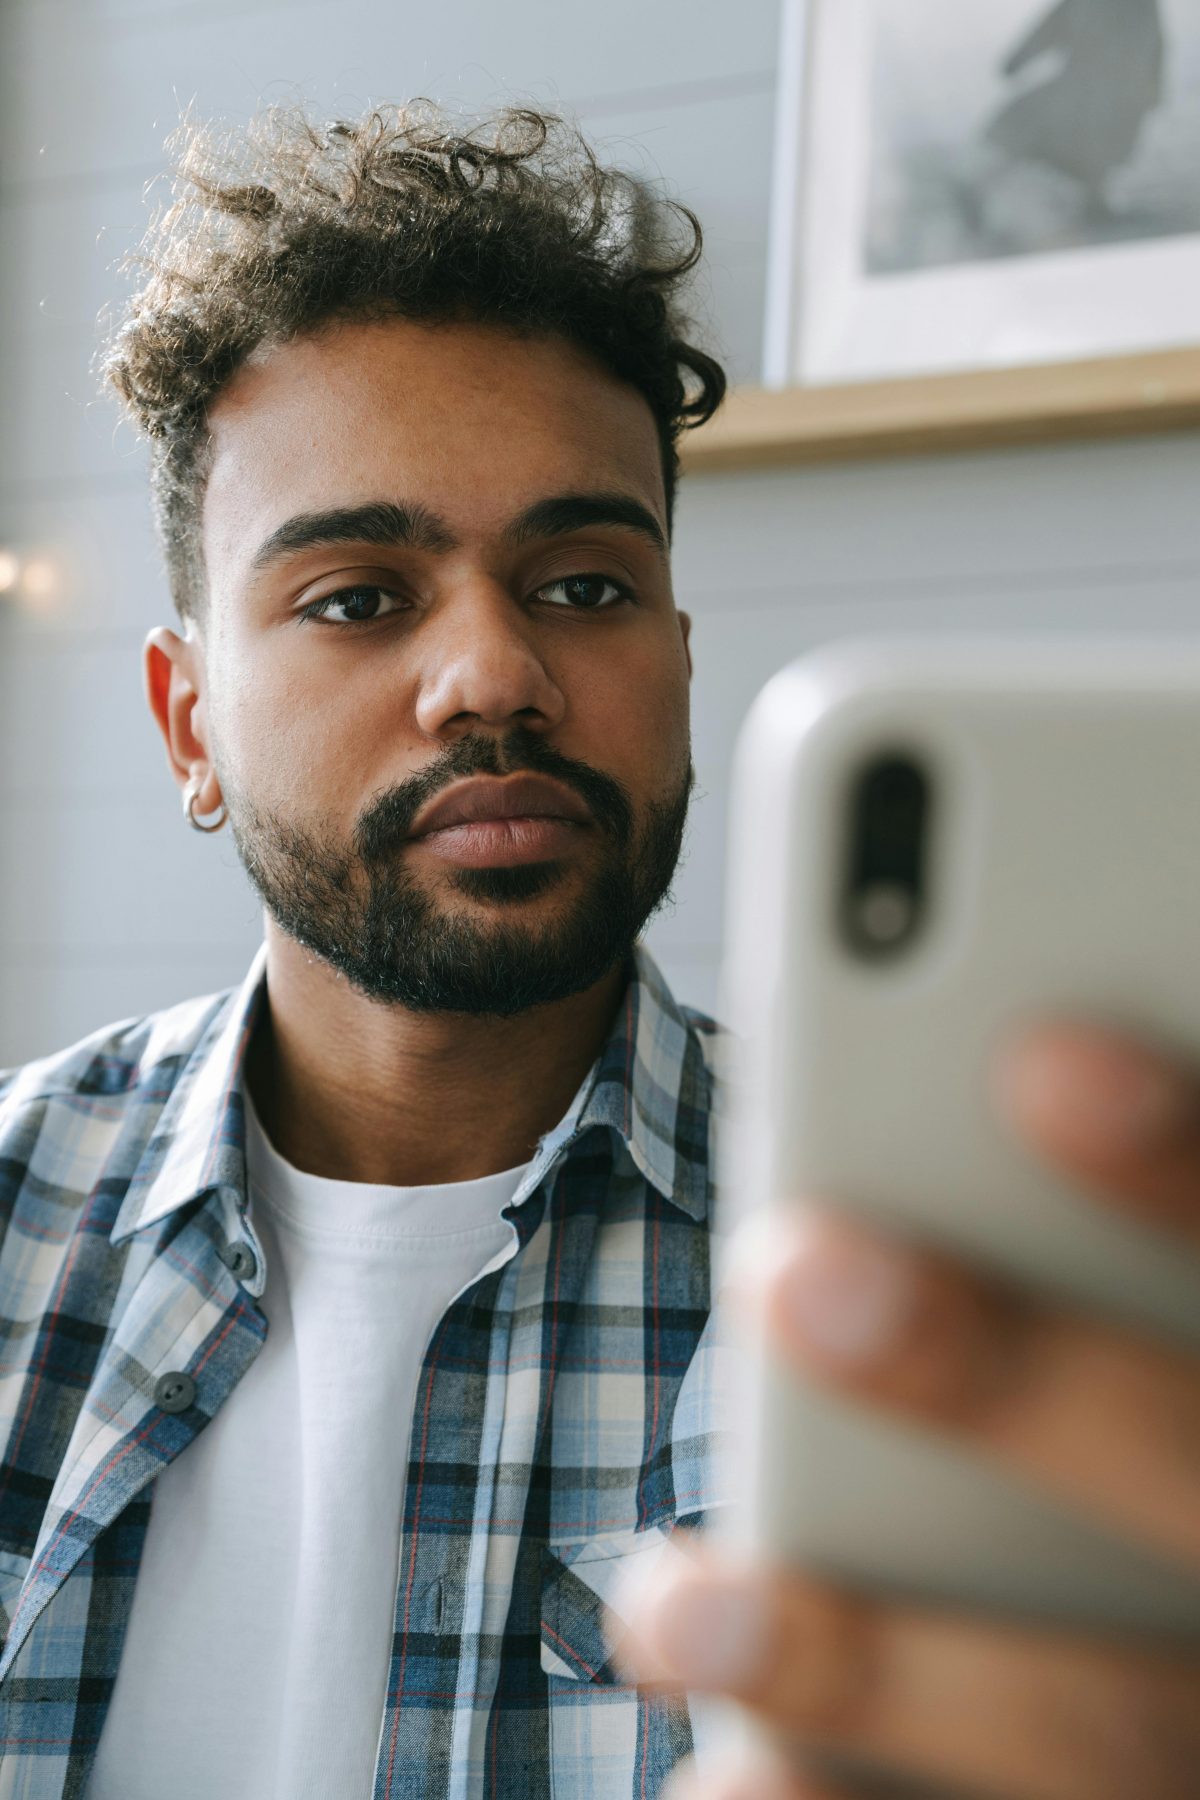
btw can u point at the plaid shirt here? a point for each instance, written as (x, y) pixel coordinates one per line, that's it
(563, 1422)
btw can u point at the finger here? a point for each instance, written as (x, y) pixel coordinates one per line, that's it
(1031, 1715)
(1048, 1393)
(1123, 1119)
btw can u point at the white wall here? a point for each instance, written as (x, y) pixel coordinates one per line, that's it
(110, 905)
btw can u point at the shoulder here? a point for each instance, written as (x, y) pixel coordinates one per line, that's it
(115, 1058)
(68, 1107)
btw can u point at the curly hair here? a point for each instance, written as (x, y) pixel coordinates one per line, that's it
(287, 226)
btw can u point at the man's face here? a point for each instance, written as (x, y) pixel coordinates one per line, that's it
(515, 613)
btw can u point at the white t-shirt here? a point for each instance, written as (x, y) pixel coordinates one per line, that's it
(256, 1658)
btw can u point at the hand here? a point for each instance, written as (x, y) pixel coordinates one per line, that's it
(1106, 1419)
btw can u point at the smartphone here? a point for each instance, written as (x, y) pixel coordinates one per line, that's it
(933, 842)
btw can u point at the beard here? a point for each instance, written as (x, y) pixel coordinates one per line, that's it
(364, 913)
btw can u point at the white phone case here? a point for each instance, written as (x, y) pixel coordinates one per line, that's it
(1064, 879)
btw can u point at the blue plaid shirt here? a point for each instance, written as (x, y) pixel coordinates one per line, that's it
(563, 1422)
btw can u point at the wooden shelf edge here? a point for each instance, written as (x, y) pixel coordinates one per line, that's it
(1041, 403)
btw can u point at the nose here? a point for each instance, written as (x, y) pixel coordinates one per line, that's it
(481, 664)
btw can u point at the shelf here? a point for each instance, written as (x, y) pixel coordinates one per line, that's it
(1043, 403)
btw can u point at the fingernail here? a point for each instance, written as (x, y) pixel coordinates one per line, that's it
(703, 1630)
(846, 1295)
(1098, 1090)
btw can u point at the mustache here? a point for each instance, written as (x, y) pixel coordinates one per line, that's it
(389, 820)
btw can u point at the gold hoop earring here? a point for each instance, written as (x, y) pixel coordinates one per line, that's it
(190, 796)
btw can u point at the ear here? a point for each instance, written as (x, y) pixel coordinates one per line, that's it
(685, 627)
(173, 680)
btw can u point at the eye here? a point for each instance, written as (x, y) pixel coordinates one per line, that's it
(585, 593)
(351, 600)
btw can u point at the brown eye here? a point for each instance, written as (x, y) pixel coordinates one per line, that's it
(359, 603)
(586, 593)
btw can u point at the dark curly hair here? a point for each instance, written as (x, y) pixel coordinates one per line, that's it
(286, 226)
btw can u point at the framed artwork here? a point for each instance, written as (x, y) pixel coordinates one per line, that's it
(984, 185)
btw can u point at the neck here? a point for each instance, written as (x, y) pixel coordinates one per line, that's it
(353, 1090)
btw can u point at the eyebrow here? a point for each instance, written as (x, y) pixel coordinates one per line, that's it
(387, 523)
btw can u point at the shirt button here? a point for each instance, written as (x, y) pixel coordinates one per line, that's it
(241, 1259)
(175, 1391)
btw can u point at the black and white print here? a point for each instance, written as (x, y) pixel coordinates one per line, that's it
(1009, 128)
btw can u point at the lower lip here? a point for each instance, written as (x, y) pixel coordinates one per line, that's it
(499, 843)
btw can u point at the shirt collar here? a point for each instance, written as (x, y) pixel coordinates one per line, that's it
(650, 1086)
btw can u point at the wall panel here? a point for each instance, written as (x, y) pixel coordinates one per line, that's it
(109, 905)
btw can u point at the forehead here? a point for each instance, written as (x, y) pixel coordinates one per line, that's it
(471, 421)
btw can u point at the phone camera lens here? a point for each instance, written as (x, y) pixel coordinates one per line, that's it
(884, 912)
(883, 886)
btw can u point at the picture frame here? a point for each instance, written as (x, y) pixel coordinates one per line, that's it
(864, 286)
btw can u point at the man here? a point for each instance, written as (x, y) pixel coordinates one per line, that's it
(358, 1319)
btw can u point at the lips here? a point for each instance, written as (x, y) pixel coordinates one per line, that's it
(514, 797)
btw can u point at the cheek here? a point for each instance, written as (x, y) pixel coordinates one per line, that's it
(294, 738)
(637, 711)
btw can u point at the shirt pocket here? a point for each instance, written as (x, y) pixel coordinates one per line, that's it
(596, 1752)
(582, 1578)
(604, 1740)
